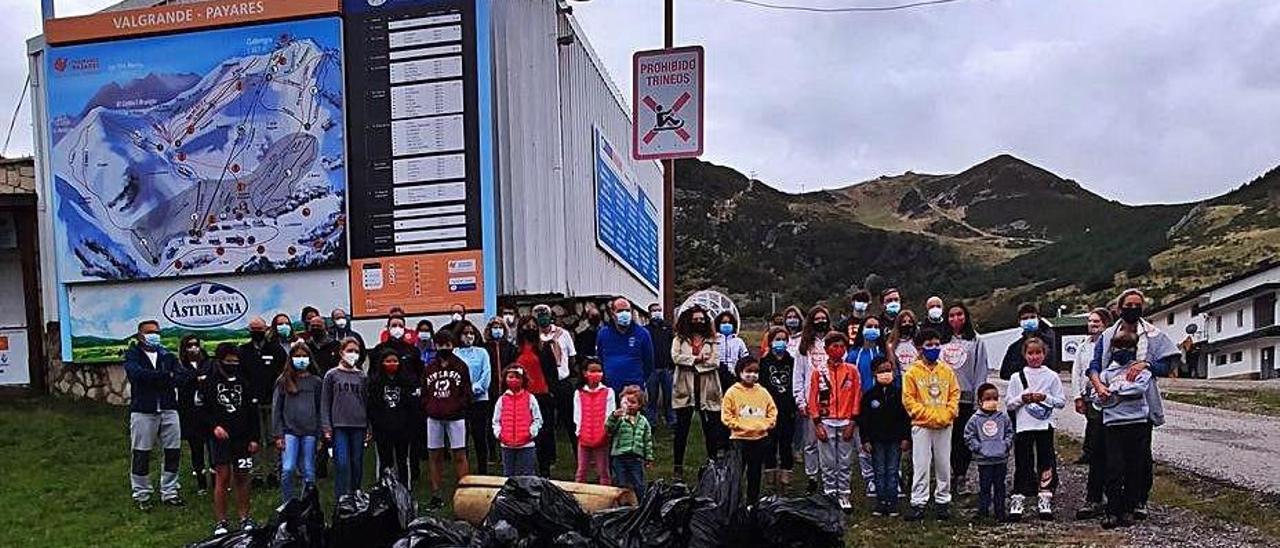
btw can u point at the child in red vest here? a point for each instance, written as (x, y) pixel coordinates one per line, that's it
(516, 422)
(592, 405)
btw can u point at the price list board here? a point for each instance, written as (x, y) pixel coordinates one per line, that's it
(415, 190)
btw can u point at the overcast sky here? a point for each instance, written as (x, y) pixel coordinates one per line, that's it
(1142, 101)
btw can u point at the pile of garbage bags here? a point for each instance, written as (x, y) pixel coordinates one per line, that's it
(530, 512)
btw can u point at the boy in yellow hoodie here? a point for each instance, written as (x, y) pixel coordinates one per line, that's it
(748, 411)
(931, 394)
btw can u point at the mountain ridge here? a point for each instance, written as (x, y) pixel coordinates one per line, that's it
(999, 232)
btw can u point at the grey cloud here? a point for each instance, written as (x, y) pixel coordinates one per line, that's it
(1151, 101)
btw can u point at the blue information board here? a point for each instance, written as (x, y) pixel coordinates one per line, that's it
(626, 220)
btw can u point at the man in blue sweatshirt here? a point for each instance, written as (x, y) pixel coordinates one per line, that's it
(154, 375)
(625, 350)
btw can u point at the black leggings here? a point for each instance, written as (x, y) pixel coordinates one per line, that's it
(753, 454)
(961, 457)
(1035, 463)
(1095, 440)
(393, 452)
(780, 454)
(711, 432)
(199, 450)
(546, 440)
(1128, 454)
(480, 427)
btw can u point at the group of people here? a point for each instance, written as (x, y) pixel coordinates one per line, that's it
(833, 393)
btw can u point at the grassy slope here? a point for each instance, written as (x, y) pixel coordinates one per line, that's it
(66, 465)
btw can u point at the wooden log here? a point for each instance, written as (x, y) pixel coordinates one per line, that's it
(475, 494)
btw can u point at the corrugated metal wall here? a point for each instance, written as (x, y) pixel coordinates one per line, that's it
(551, 96)
(530, 194)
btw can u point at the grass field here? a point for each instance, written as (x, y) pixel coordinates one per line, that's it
(1261, 402)
(65, 483)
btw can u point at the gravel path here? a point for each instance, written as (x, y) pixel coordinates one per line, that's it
(1238, 448)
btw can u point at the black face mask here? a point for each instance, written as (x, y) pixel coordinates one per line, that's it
(257, 336)
(821, 326)
(908, 330)
(318, 332)
(1131, 314)
(445, 352)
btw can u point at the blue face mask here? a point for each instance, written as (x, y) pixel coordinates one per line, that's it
(859, 306)
(778, 346)
(893, 308)
(1030, 324)
(726, 329)
(931, 354)
(624, 318)
(301, 362)
(284, 329)
(497, 333)
(152, 339)
(871, 333)
(1124, 357)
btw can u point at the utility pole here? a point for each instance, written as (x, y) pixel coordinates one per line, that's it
(669, 192)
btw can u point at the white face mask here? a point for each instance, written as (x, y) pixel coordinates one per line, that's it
(457, 316)
(750, 378)
(341, 323)
(510, 319)
(351, 358)
(935, 313)
(396, 332)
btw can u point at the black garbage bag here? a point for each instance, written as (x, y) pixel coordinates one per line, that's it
(365, 520)
(401, 496)
(661, 519)
(720, 481)
(537, 509)
(435, 532)
(573, 539)
(815, 521)
(301, 523)
(258, 538)
(499, 535)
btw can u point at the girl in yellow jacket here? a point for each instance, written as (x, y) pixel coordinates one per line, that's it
(931, 394)
(749, 412)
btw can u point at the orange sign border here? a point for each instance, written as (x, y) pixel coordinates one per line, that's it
(177, 17)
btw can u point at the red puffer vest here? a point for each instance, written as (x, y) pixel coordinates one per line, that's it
(591, 432)
(516, 420)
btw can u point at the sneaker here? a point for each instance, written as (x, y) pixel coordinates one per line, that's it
(942, 512)
(175, 501)
(1140, 512)
(1044, 506)
(221, 528)
(845, 505)
(436, 503)
(871, 489)
(1090, 510)
(892, 510)
(878, 511)
(960, 488)
(1112, 522)
(247, 524)
(144, 505)
(1016, 503)
(915, 513)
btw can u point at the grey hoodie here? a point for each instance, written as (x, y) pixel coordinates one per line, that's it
(1129, 401)
(989, 436)
(968, 359)
(343, 399)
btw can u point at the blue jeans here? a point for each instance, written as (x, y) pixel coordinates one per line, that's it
(886, 460)
(348, 460)
(659, 388)
(297, 449)
(991, 488)
(519, 461)
(628, 471)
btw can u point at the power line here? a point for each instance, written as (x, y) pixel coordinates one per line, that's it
(846, 9)
(14, 119)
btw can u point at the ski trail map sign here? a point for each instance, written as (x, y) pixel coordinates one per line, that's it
(199, 153)
(667, 106)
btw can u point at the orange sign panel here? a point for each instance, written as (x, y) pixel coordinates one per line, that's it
(419, 284)
(214, 13)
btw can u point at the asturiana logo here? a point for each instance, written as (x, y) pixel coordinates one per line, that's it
(205, 305)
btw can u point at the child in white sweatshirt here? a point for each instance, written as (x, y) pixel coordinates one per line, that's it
(1035, 394)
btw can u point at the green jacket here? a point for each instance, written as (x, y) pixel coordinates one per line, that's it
(630, 437)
